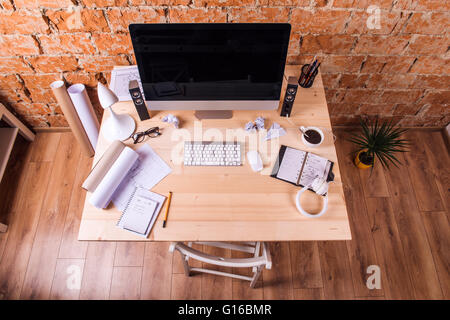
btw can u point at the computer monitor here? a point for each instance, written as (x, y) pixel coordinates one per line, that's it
(217, 66)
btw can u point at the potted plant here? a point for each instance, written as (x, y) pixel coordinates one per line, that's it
(379, 141)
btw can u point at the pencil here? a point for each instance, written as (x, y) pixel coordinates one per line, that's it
(167, 209)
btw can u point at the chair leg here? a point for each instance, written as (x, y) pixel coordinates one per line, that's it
(187, 268)
(255, 277)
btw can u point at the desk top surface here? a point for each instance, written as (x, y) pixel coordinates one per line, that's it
(231, 203)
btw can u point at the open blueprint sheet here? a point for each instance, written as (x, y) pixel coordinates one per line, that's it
(120, 78)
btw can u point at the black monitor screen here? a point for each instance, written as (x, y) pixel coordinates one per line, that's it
(211, 61)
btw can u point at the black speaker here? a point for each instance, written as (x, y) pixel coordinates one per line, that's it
(289, 97)
(138, 100)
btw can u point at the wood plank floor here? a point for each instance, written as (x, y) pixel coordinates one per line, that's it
(399, 220)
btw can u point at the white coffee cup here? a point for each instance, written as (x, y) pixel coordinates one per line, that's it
(308, 144)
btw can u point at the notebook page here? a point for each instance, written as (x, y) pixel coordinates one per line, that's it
(138, 214)
(314, 166)
(159, 199)
(291, 165)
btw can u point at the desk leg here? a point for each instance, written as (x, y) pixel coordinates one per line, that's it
(3, 227)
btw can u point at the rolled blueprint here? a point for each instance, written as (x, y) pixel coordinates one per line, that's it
(85, 111)
(103, 165)
(64, 101)
(104, 191)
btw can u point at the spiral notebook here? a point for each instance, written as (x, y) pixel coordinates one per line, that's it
(300, 167)
(141, 211)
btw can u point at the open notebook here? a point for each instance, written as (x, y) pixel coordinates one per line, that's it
(300, 167)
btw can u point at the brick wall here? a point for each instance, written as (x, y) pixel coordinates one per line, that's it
(399, 71)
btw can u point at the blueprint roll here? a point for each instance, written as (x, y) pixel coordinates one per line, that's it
(67, 107)
(85, 111)
(105, 189)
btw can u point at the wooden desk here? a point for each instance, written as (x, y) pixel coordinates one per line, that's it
(231, 203)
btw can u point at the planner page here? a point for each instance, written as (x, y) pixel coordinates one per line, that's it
(314, 166)
(138, 214)
(291, 165)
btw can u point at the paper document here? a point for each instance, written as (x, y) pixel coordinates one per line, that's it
(147, 171)
(120, 78)
(146, 198)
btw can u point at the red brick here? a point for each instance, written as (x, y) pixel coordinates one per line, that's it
(330, 80)
(389, 22)
(25, 4)
(337, 44)
(31, 109)
(67, 43)
(400, 96)
(431, 65)
(90, 20)
(258, 15)
(6, 5)
(353, 81)
(294, 44)
(113, 44)
(287, 3)
(120, 18)
(386, 4)
(195, 15)
(391, 80)
(12, 45)
(376, 109)
(14, 65)
(387, 64)
(406, 109)
(101, 63)
(436, 5)
(431, 45)
(375, 44)
(431, 82)
(104, 3)
(11, 89)
(228, 3)
(436, 97)
(427, 23)
(23, 22)
(37, 121)
(362, 96)
(334, 96)
(39, 86)
(57, 120)
(50, 64)
(335, 64)
(88, 79)
(298, 59)
(322, 21)
(437, 110)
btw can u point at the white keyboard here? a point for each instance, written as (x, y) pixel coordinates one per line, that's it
(207, 153)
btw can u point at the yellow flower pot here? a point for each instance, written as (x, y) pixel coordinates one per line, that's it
(359, 163)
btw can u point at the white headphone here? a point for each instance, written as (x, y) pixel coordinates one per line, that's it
(320, 186)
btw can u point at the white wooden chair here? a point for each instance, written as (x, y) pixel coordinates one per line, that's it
(261, 258)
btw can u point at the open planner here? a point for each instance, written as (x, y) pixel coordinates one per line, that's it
(300, 167)
(125, 177)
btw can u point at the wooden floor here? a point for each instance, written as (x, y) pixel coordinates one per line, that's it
(399, 222)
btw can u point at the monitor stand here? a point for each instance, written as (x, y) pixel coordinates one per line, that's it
(213, 114)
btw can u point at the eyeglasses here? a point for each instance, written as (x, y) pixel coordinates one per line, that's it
(138, 137)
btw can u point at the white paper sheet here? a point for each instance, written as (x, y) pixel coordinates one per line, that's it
(107, 187)
(159, 199)
(139, 213)
(291, 165)
(147, 171)
(85, 111)
(314, 166)
(120, 78)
